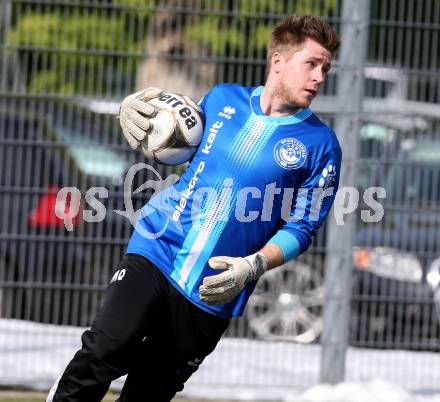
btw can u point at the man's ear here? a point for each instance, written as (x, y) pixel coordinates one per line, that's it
(277, 62)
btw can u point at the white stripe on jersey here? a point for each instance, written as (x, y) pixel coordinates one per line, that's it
(202, 238)
(213, 217)
(249, 143)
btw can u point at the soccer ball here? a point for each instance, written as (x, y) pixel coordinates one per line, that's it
(177, 129)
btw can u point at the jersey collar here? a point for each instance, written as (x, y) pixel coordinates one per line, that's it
(279, 120)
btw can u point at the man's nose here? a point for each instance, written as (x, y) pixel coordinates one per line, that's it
(319, 76)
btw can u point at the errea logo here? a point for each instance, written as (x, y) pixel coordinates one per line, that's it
(227, 113)
(229, 110)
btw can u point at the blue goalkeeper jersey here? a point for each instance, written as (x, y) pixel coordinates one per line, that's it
(253, 178)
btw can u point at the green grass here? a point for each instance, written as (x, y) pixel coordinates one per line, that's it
(23, 396)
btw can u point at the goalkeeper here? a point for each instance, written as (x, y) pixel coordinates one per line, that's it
(172, 295)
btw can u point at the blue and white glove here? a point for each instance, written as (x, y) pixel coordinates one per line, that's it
(222, 288)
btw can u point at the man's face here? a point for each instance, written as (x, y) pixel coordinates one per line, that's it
(301, 74)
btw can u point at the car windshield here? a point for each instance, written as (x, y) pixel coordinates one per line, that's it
(88, 147)
(91, 157)
(415, 179)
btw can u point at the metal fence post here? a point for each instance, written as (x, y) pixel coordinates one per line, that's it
(338, 278)
(5, 18)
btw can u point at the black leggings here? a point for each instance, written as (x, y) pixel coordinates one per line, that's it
(145, 329)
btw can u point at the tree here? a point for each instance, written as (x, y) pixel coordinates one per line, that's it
(78, 49)
(239, 32)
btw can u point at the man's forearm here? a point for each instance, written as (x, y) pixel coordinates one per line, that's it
(273, 254)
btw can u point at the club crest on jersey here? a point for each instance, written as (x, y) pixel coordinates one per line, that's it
(290, 153)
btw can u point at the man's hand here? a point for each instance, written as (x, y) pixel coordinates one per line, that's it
(222, 288)
(135, 114)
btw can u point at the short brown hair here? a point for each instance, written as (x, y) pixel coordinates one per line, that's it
(294, 30)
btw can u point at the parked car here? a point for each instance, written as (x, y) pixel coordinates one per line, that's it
(396, 263)
(287, 304)
(48, 273)
(53, 275)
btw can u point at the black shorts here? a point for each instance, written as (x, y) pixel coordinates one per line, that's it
(145, 329)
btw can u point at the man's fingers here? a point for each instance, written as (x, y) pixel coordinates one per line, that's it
(209, 293)
(222, 288)
(135, 131)
(216, 281)
(141, 106)
(147, 152)
(216, 296)
(221, 262)
(138, 119)
(217, 263)
(150, 93)
(132, 141)
(213, 299)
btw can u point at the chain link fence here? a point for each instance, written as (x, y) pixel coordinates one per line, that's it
(64, 67)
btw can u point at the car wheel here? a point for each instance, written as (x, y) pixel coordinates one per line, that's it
(287, 304)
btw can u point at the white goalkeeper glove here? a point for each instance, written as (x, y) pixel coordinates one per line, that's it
(222, 288)
(135, 114)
